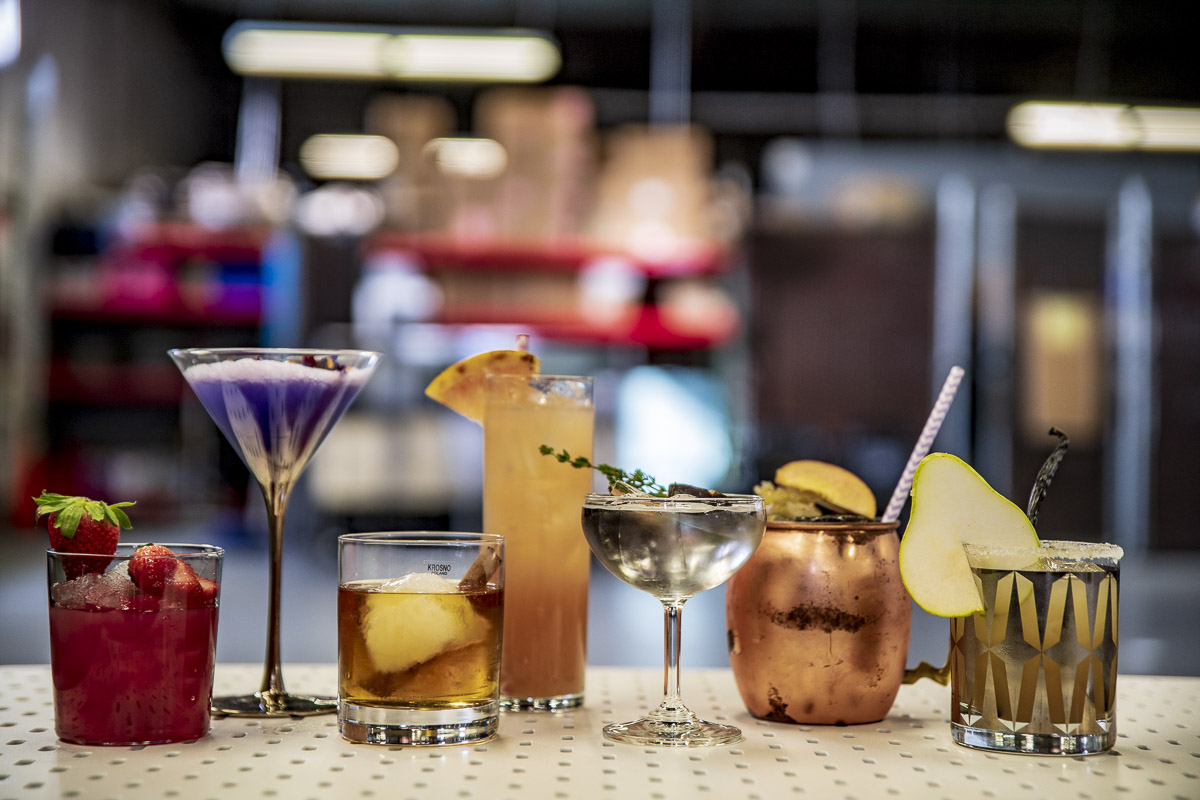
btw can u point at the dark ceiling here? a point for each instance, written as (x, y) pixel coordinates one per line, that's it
(896, 69)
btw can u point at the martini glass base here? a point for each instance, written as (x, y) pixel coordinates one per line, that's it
(285, 705)
(656, 733)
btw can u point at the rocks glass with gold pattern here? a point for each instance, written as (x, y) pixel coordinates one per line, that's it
(1036, 672)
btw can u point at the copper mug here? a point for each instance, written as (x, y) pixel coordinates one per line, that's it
(818, 623)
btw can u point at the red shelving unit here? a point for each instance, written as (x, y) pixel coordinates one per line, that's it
(441, 252)
(112, 393)
(174, 242)
(487, 260)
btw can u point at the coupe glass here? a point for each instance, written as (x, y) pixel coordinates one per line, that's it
(673, 548)
(275, 407)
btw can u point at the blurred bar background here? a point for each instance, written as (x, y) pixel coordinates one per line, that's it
(767, 228)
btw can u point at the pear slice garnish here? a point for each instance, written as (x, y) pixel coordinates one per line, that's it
(953, 505)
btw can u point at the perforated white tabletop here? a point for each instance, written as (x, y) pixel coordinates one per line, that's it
(909, 754)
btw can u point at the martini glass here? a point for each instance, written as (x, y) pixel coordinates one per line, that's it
(275, 407)
(673, 548)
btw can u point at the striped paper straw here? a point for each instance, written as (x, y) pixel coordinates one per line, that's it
(921, 449)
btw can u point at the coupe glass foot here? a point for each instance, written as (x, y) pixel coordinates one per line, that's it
(262, 704)
(655, 733)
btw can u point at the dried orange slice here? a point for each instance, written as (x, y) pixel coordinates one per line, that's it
(461, 385)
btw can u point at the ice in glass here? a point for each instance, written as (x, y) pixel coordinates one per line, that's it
(534, 501)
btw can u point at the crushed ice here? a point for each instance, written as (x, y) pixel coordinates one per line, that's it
(102, 592)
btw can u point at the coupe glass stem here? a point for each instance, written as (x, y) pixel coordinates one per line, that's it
(272, 691)
(672, 708)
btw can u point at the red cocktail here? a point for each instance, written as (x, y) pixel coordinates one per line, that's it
(132, 658)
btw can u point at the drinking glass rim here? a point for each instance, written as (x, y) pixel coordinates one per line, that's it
(202, 550)
(600, 499)
(274, 351)
(421, 537)
(539, 376)
(1062, 550)
(830, 525)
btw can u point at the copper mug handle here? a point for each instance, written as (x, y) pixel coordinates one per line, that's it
(927, 670)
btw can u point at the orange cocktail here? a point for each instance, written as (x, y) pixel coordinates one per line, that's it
(534, 502)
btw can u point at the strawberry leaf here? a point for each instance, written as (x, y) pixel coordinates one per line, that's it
(68, 511)
(118, 517)
(68, 520)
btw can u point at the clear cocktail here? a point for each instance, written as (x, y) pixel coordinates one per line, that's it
(534, 502)
(673, 548)
(1036, 672)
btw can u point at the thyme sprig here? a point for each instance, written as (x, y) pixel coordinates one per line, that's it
(617, 478)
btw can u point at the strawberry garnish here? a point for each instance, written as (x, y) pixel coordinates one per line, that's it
(158, 572)
(205, 596)
(82, 525)
(154, 569)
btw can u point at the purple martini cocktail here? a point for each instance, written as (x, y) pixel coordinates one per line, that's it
(275, 407)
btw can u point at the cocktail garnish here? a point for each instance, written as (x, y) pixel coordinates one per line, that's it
(481, 569)
(462, 386)
(810, 489)
(618, 478)
(1041, 485)
(82, 525)
(692, 491)
(321, 362)
(953, 505)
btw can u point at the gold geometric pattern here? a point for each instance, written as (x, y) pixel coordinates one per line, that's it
(1041, 659)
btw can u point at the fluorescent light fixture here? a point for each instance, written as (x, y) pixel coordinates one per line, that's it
(1169, 128)
(465, 58)
(348, 156)
(1103, 126)
(302, 53)
(1073, 125)
(338, 209)
(468, 158)
(297, 50)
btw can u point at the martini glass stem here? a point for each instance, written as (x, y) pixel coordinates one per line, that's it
(272, 691)
(672, 709)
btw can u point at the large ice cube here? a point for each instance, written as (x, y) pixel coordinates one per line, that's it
(400, 636)
(419, 583)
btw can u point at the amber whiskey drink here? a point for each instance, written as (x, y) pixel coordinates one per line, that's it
(419, 653)
(418, 650)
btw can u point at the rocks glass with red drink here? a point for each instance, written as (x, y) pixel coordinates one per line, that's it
(132, 657)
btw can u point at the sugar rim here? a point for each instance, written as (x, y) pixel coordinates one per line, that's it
(989, 556)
